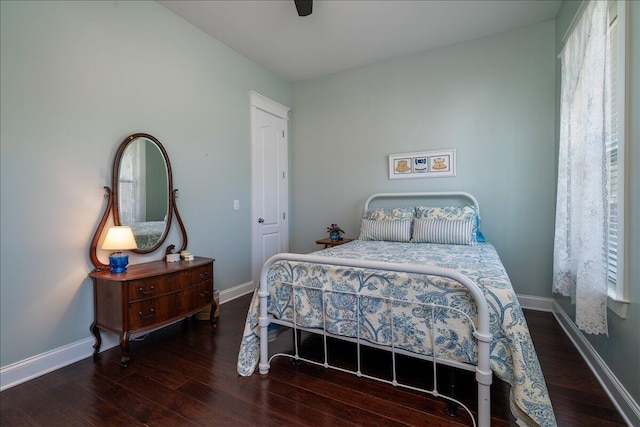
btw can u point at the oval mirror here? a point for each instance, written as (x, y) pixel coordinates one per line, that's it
(142, 186)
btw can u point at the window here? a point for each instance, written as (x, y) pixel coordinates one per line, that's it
(617, 283)
(588, 262)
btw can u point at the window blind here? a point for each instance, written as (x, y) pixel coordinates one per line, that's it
(612, 152)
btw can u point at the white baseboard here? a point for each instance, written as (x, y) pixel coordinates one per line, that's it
(628, 408)
(236, 292)
(33, 367)
(532, 302)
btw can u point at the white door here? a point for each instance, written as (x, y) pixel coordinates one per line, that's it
(269, 181)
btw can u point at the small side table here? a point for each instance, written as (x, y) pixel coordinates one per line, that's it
(328, 243)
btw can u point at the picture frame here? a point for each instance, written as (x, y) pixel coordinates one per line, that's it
(423, 164)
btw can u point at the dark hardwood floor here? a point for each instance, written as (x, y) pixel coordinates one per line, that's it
(185, 374)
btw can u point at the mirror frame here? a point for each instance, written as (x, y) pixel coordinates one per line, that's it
(112, 205)
(116, 187)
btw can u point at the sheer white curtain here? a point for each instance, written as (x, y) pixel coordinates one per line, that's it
(580, 247)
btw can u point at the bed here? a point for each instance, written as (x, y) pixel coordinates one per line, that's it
(451, 304)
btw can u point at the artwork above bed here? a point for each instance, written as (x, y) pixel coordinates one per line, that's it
(423, 164)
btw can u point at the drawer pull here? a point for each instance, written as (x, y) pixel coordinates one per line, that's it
(204, 294)
(151, 290)
(150, 315)
(204, 275)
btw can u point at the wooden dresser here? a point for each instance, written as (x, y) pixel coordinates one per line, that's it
(148, 296)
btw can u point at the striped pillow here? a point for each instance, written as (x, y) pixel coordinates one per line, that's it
(453, 213)
(395, 230)
(448, 232)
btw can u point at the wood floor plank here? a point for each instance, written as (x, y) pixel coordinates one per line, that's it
(91, 409)
(184, 405)
(261, 393)
(11, 414)
(185, 374)
(44, 408)
(334, 386)
(136, 405)
(248, 412)
(322, 412)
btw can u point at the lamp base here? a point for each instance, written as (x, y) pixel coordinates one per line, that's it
(118, 262)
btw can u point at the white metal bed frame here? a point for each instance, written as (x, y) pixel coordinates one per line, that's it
(481, 329)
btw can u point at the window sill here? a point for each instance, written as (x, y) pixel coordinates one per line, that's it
(618, 305)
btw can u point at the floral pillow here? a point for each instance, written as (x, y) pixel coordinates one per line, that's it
(381, 214)
(447, 212)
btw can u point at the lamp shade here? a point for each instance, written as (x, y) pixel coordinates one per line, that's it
(119, 238)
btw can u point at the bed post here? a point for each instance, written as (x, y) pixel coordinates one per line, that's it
(484, 375)
(263, 318)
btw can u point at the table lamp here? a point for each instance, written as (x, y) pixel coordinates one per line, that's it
(119, 238)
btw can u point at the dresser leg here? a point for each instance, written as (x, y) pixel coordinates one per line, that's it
(95, 331)
(212, 318)
(124, 346)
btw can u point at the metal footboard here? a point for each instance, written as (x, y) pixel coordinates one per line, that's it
(480, 328)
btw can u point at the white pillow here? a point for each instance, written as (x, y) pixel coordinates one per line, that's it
(395, 230)
(448, 232)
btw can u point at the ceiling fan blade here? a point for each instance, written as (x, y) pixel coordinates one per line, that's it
(305, 7)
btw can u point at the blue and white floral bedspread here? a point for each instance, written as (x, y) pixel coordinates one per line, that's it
(513, 357)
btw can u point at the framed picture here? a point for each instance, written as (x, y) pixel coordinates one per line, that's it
(423, 164)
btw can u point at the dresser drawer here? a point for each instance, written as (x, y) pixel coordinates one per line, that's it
(160, 285)
(148, 312)
(147, 288)
(201, 274)
(202, 295)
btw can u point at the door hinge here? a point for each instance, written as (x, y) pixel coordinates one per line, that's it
(283, 133)
(282, 174)
(284, 215)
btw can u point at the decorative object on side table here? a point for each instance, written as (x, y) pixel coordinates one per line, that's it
(335, 232)
(119, 238)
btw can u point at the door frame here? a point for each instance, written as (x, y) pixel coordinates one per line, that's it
(260, 102)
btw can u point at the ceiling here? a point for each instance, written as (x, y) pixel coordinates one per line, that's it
(345, 34)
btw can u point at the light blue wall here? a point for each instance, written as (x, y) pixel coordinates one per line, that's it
(76, 79)
(493, 100)
(621, 349)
